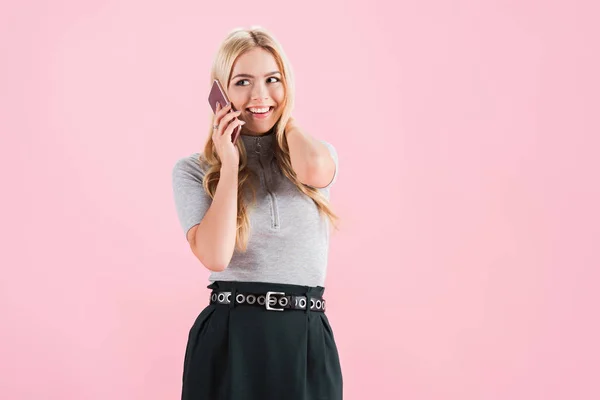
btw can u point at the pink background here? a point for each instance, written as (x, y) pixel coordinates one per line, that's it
(468, 140)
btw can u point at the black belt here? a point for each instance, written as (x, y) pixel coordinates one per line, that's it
(272, 301)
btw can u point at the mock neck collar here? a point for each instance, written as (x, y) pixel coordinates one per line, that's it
(255, 144)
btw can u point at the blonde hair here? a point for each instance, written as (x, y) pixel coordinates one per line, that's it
(235, 44)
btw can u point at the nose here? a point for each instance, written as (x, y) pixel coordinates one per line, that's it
(260, 91)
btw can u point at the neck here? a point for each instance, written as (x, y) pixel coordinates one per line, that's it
(247, 133)
(256, 144)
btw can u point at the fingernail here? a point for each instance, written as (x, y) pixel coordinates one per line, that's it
(242, 122)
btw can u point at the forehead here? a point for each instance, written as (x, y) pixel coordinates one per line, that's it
(257, 61)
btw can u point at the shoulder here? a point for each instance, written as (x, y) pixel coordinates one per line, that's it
(332, 150)
(190, 166)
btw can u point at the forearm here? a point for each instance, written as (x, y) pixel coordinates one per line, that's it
(216, 234)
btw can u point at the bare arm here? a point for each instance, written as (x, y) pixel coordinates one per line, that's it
(213, 240)
(310, 158)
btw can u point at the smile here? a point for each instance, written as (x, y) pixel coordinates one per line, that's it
(260, 113)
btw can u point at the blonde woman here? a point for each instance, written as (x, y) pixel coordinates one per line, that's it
(256, 214)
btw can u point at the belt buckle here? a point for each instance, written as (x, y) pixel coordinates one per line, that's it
(268, 302)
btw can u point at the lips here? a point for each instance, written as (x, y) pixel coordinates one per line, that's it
(260, 116)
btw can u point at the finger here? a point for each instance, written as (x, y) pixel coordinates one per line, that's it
(222, 125)
(235, 126)
(225, 120)
(229, 131)
(219, 116)
(217, 109)
(222, 111)
(215, 131)
(229, 116)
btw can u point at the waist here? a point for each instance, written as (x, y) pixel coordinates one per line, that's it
(270, 296)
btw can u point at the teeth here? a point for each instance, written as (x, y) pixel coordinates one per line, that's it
(259, 110)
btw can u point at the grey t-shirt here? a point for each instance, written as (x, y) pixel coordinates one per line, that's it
(289, 239)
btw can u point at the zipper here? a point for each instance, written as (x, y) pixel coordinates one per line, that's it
(274, 213)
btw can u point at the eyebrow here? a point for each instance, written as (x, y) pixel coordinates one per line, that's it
(251, 76)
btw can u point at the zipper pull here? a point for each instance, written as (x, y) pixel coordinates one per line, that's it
(257, 146)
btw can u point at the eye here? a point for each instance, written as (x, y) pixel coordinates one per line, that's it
(239, 83)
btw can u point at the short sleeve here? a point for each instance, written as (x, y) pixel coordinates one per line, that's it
(191, 201)
(334, 156)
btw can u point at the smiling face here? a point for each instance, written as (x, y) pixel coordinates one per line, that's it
(256, 87)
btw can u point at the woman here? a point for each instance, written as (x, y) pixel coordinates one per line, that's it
(256, 214)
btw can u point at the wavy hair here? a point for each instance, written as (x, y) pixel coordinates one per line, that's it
(235, 44)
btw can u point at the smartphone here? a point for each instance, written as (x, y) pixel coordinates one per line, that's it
(217, 94)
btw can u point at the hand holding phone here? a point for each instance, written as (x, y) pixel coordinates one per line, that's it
(217, 94)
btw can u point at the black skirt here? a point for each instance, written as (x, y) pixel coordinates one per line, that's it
(245, 352)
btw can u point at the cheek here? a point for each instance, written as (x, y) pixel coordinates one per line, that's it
(278, 94)
(236, 98)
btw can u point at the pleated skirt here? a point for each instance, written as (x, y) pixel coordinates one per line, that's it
(245, 352)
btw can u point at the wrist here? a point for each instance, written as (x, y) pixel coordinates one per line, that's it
(229, 169)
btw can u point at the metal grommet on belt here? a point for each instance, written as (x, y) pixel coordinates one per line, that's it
(283, 302)
(302, 303)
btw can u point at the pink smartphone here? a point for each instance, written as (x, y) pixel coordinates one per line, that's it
(217, 94)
